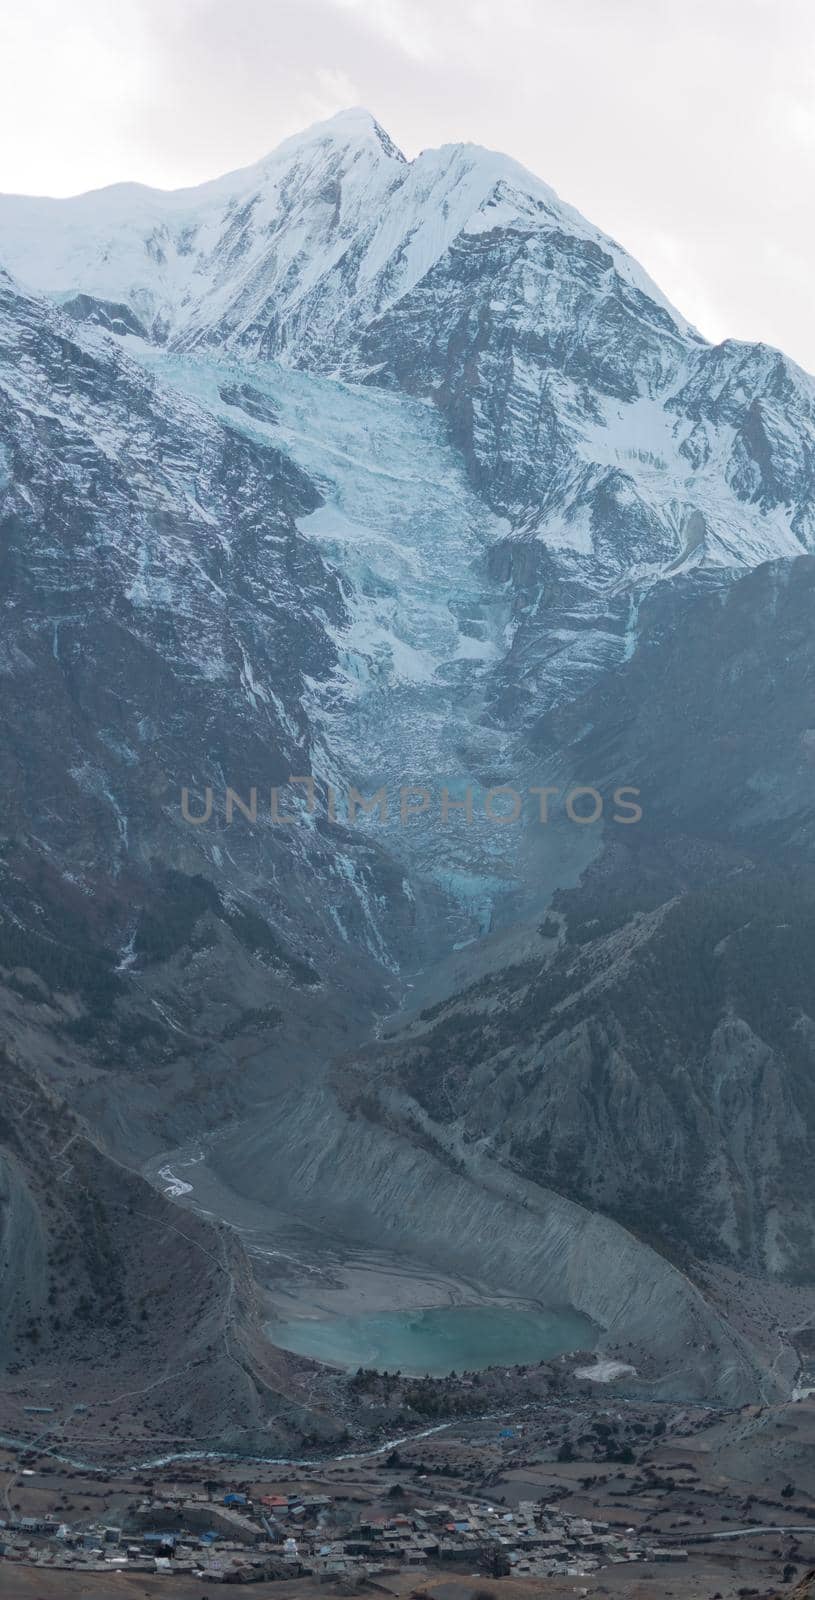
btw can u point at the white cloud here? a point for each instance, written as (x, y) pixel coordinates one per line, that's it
(330, 90)
(406, 26)
(794, 121)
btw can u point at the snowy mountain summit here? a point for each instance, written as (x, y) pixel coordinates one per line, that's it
(619, 447)
(334, 224)
(589, 411)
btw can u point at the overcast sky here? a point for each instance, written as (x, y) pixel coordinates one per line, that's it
(685, 128)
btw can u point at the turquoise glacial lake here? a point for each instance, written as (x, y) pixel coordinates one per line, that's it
(436, 1341)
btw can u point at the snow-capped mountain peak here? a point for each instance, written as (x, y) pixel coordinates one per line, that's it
(616, 443)
(280, 223)
(355, 124)
(207, 261)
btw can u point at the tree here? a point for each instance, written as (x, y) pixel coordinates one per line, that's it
(497, 1563)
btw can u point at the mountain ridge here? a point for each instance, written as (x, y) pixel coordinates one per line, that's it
(348, 136)
(392, 472)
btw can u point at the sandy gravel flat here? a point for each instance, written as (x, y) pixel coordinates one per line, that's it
(372, 1283)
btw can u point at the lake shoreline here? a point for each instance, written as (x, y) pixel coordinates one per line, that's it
(435, 1341)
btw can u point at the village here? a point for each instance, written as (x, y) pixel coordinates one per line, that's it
(560, 1498)
(239, 1538)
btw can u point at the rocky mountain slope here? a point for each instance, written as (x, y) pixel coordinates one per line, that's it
(645, 1050)
(364, 1161)
(162, 623)
(390, 474)
(121, 1319)
(649, 1052)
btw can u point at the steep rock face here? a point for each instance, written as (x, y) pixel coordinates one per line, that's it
(22, 1257)
(712, 717)
(113, 1303)
(163, 623)
(652, 1056)
(646, 1072)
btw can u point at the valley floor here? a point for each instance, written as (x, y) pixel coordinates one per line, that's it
(726, 1502)
(725, 1578)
